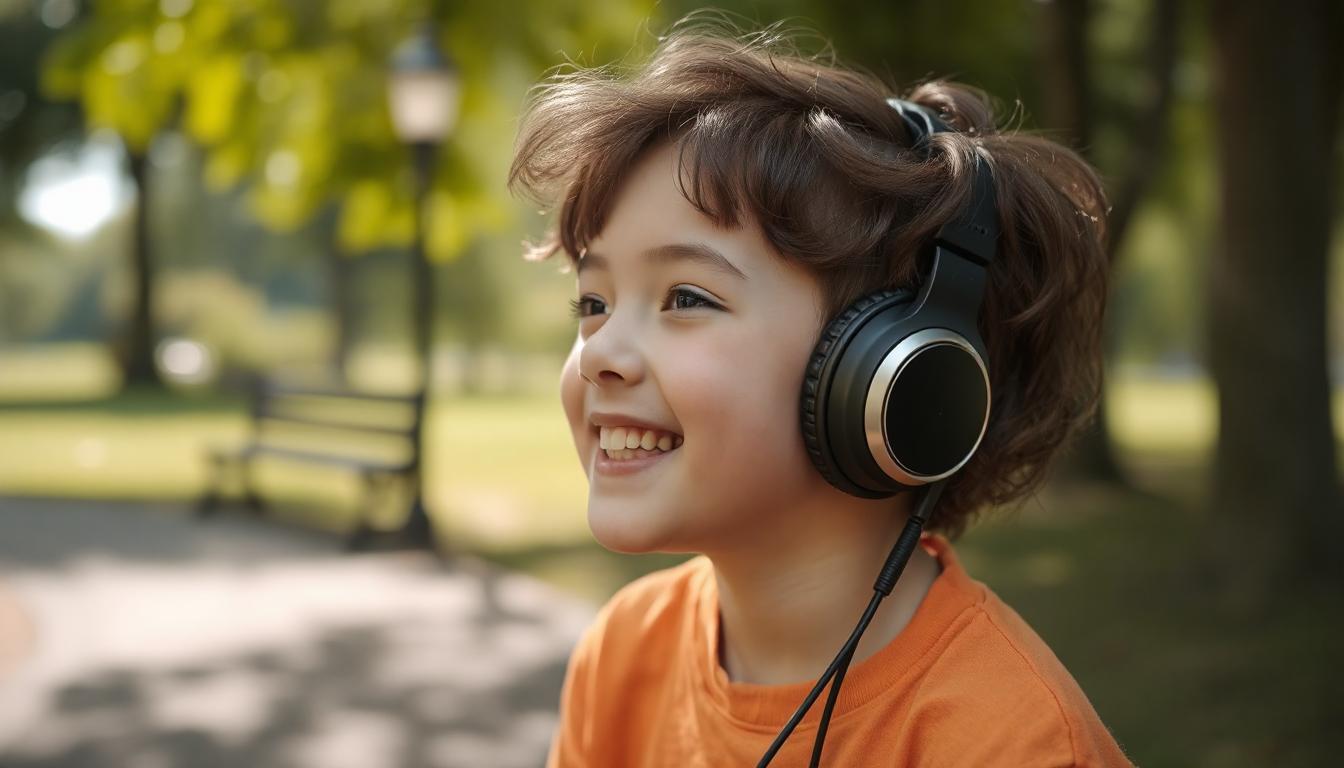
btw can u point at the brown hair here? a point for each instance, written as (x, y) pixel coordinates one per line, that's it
(812, 152)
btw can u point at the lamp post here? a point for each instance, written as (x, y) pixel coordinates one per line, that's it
(423, 94)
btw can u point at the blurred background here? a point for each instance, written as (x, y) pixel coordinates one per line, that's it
(218, 210)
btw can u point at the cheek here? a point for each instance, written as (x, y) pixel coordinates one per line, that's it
(571, 394)
(743, 396)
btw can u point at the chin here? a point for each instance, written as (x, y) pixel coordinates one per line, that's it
(627, 529)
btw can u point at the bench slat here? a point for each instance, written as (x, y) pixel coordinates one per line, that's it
(273, 404)
(317, 457)
(296, 390)
(352, 426)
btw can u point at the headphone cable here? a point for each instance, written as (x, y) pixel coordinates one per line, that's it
(886, 580)
(826, 713)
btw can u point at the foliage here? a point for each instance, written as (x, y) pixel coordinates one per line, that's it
(29, 124)
(289, 98)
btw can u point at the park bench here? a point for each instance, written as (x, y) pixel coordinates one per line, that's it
(374, 435)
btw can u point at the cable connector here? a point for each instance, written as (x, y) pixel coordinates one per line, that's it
(905, 546)
(909, 539)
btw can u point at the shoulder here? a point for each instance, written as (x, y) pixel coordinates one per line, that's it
(646, 617)
(656, 599)
(997, 695)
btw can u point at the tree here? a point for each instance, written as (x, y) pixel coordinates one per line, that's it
(127, 73)
(289, 100)
(1071, 108)
(29, 124)
(1278, 93)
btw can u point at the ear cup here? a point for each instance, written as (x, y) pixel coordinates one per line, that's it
(816, 384)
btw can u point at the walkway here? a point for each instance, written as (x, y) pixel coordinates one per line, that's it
(131, 635)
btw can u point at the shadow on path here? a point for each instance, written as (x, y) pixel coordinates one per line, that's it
(161, 642)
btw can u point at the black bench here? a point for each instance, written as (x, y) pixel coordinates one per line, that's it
(328, 426)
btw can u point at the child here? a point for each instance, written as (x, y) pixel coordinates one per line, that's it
(720, 207)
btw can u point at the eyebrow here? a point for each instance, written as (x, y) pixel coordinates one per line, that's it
(671, 252)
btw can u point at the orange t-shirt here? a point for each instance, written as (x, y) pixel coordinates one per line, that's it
(966, 683)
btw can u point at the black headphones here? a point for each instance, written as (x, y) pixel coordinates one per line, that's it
(896, 394)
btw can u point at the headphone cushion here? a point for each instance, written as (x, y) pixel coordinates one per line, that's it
(817, 446)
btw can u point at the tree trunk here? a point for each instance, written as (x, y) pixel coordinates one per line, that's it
(1070, 108)
(136, 353)
(1150, 134)
(341, 302)
(1067, 73)
(1278, 84)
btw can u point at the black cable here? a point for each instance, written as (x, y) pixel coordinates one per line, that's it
(900, 554)
(816, 690)
(826, 713)
(886, 580)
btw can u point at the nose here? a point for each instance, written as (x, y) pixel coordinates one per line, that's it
(611, 354)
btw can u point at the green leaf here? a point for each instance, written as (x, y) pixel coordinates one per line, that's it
(212, 96)
(364, 215)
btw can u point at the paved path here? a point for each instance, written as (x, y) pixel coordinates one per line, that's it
(132, 635)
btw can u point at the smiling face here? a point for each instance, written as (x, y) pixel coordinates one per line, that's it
(703, 333)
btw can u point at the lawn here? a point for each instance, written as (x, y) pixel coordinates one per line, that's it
(500, 470)
(1111, 580)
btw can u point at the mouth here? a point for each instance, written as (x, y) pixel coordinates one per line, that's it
(629, 443)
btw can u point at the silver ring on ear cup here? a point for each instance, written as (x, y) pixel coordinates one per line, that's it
(876, 414)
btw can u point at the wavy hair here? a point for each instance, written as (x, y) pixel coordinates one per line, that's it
(810, 150)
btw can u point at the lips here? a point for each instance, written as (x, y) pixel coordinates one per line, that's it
(629, 421)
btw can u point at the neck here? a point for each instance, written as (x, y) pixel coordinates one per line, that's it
(787, 604)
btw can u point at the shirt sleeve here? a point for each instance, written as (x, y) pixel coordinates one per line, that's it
(571, 743)
(986, 709)
(993, 740)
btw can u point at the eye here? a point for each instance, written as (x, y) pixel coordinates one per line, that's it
(585, 306)
(678, 297)
(683, 298)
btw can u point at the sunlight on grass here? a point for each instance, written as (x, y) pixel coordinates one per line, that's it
(1173, 415)
(1158, 414)
(499, 470)
(57, 371)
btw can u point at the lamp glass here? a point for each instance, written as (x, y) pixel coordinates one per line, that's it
(424, 104)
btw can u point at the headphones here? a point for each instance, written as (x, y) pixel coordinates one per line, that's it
(896, 394)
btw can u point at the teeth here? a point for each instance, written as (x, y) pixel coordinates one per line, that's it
(623, 442)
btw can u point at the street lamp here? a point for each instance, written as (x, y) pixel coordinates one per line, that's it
(423, 93)
(424, 90)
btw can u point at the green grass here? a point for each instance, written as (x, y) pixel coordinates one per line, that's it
(1116, 585)
(499, 470)
(1113, 581)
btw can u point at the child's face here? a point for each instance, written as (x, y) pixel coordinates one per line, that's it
(723, 379)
